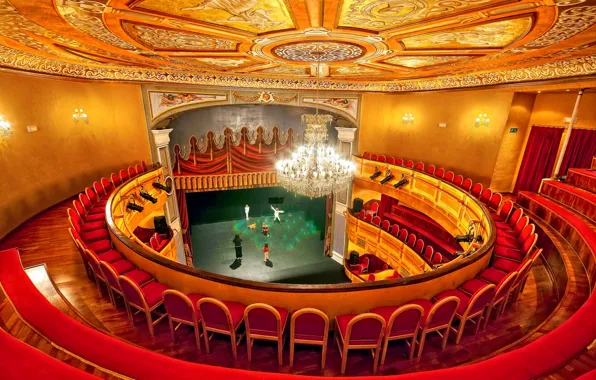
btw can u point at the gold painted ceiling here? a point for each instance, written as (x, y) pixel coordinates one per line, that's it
(360, 45)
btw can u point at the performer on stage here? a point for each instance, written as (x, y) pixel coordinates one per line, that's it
(276, 211)
(266, 253)
(265, 229)
(238, 245)
(246, 210)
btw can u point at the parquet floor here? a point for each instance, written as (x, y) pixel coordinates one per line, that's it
(45, 239)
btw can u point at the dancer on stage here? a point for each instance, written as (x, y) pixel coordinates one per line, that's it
(238, 245)
(246, 210)
(266, 253)
(265, 229)
(276, 211)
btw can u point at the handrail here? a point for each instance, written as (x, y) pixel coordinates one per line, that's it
(323, 288)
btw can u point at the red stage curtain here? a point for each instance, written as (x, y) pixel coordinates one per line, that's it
(386, 204)
(539, 158)
(184, 223)
(580, 150)
(253, 160)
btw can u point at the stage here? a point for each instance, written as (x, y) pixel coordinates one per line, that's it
(295, 257)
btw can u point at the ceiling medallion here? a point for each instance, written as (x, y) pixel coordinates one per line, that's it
(319, 51)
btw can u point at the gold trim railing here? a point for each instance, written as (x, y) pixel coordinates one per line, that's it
(197, 183)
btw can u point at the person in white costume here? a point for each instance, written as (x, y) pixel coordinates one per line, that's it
(246, 210)
(276, 212)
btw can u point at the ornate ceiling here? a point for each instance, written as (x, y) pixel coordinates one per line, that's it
(361, 45)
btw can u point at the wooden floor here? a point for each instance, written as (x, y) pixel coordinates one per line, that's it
(45, 239)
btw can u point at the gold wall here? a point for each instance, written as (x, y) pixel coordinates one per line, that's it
(460, 147)
(42, 168)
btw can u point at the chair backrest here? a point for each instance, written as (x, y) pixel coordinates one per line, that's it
(368, 218)
(375, 207)
(429, 252)
(123, 175)
(505, 211)
(485, 195)
(365, 328)
(109, 274)
(84, 199)
(495, 201)
(310, 324)
(116, 180)
(437, 258)
(523, 271)
(515, 217)
(467, 184)
(504, 286)
(476, 190)
(458, 180)
(536, 255)
(132, 292)
(215, 313)
(261, 318)
(440, 172)
(374, 157)
(93, 263)
(520, 225)
(91, 194)
(179, 306)
(366, 156)
(405, 320)
(403, 234)
(377, 220)
(442, 312)
(391, 160)
(394, 230)
(480, 299)
(419, 246)
(78, 206)
(399, 161)
(529, 243)
(409, 164)
(430, 169)
(385, 225)
(449, 176)
(526, 232)
(99, 189)
(77, 241)
(362, 214)
(419, 166)
(131, 172)
(74, 216)
(153, 242)
(139, 169)
(382, 158)
(411, 239)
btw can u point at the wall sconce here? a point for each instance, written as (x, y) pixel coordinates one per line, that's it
(408, 118)
(482, 120)
(79, 115)
(5, 129)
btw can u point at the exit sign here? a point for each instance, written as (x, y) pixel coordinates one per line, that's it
(512, 130)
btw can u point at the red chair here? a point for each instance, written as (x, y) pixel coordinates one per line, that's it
(89, 236)
(124, 176)
(429, 252)
(146, 299)
(419, 246)
(84, 226)
(94, 198)
(394, 230)
(265, 322)
(399, 161)
(449, 176)
(377, 221)
(511, 222)
(437, 258)
(419, 166)
(391, 160)
(411, 240)
(144, 166)
(131, 172)
(374, 209)
(467, 184)
(385, 225)
(366, 156)
(410, 164)
(519, 285)
(476, 190)
(503, 213)
(382, 158)
(222, 318)
(438, 317)
(440, 172)
(485, 195)
(472, 305)
(111, 272)
(501, 295)
(368, 218)
(359, 331)
(495, 201)
(89, 206)
(80, 209)
(458, 180)
(403, 234)
(402, 323)
(362, 214)
(139, 168)
(510, 242)
(309, 326)
(517, 255)
(101, 248)
(431, 169)
(517, 229)
(99, 190)
(96, 271)
(374, 157)
(116, 180)
(182, 309)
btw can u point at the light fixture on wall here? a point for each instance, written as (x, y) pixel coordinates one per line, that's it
(408, 118)
(79, 115)
(5, 128)
(482, 120)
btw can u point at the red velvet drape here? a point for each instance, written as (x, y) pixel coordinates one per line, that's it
(386, 204)
(539, 158)
(184, 222)
(580, 150)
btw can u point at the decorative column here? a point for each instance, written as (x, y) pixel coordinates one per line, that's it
(161, 137)
(568, 133)
(345, 147)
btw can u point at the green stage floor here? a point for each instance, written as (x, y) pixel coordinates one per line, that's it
(296, 251)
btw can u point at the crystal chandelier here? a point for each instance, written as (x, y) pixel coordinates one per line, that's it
(5, 129)
(315, 169)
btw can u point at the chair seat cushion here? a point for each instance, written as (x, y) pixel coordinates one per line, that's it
(101, 203)
(472, 286)
(92, 226)
(509, 253)
(496, 217)
(95, 218)
(508, 242)
(97, 210)
(99, 246)
(96, 235)
(122, 266)
(507, 234)
(506, 265)
(139, 277)
(309, 337)
(464, 300)
(153, 293)
(504, 226)
(110, 256)
(342, 323)
(492, 275)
